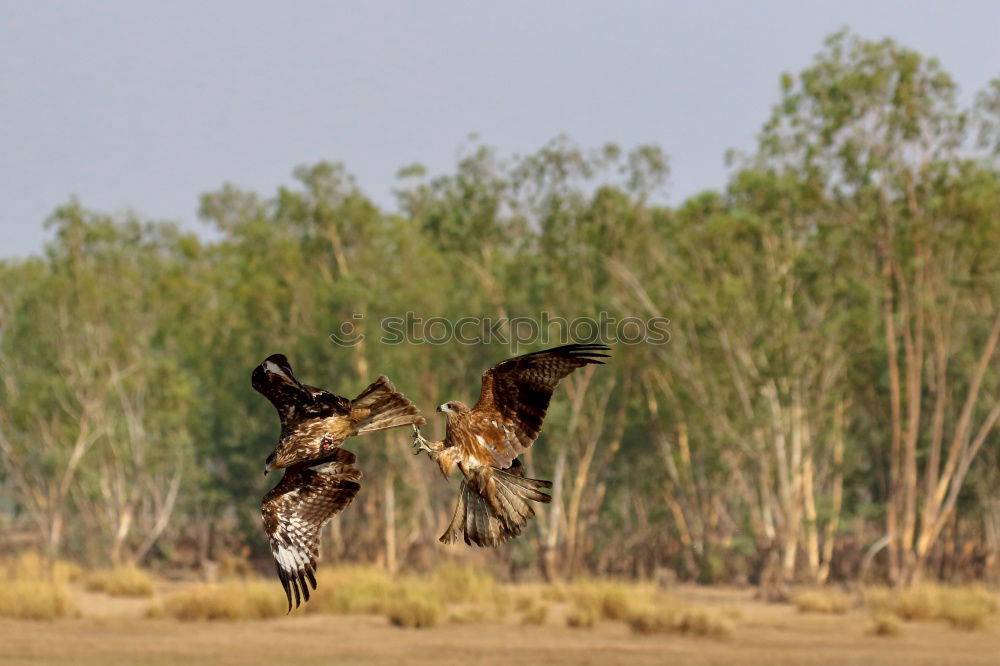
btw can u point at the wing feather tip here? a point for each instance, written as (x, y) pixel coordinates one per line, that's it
(303, 585)
(283, 577)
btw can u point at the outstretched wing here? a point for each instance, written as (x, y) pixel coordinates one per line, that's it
(516, 395)
(295, 512)
(274, 379)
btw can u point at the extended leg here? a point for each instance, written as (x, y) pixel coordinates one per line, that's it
(419, 443)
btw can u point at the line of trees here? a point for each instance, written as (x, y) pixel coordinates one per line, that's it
(826, 408)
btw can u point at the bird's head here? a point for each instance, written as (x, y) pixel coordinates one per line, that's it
(452, 407)
(274, 379)
(275, 372)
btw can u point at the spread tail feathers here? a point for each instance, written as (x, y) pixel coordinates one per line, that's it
(380, 406)
(494, 505)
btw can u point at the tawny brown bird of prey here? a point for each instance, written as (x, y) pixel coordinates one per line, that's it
(320, 479)
(484, 442)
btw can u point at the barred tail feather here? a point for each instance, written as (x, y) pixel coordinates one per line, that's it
(385, 407)
(456, 528)
(493, 506)
(481, 526)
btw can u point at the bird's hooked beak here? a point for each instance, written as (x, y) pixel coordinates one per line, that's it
(442, 408)
(268, 464)
(277, 366)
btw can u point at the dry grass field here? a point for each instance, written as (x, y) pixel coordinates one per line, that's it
(54, 613)
(112, 630)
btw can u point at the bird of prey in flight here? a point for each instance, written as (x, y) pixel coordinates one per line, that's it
(320, 479)
(484, 442)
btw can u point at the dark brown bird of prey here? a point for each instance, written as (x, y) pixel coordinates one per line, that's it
(320, 479)
(485, 441)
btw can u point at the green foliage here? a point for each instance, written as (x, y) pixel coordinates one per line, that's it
(129, 430)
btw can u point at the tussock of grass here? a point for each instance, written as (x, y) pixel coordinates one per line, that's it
(233, 600)
(351, 590)
(534, 613)
(582, 617)
(35, 600)
(124, 581)
(885, 624)
(462, 583)
(556, 592)
(917, 603)
(526, 598)
(468, 615)
(680, 619)
(408, 600)
(29, 565)
(501, 603)
(614, 602)
(611, 600)
(457, 583)
(967, 609)
(877, 599)
(68, 572)
(650, 620)
(822, 600)
(731, 612)
(414, 612)
(962, 607)
(703, 621)
(234, 566)
(33, 587)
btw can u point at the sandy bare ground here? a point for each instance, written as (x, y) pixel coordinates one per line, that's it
(113, 631)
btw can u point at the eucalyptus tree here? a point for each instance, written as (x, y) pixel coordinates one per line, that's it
(877, 128)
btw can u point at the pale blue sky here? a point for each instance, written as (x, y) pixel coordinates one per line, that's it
(146, 105)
